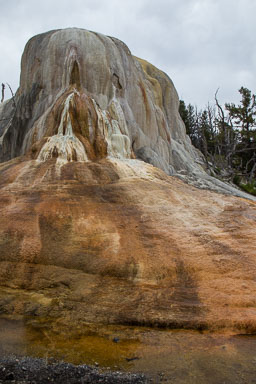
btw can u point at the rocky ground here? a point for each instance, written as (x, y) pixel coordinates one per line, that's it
(27, 370)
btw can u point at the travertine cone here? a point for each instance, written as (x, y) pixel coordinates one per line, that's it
(88, 232)
(116, 105)
(100, 70)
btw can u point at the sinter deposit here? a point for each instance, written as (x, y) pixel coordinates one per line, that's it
(94, 227)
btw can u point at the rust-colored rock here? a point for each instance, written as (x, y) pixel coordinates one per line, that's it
(119, 241)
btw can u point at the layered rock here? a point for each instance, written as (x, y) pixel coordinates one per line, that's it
(89, 232)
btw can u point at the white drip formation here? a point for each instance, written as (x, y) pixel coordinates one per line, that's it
(64, 145)
(118, 144)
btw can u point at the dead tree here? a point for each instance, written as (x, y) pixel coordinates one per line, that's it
(13, 100)
(3, 88)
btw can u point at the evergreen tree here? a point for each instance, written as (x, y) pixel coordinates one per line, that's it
(244, 115)
(244, 119)
(226, 136)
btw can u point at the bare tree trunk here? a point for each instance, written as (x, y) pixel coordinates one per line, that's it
(252, 172)
(3, 87)
(204, 147)
(13, 101)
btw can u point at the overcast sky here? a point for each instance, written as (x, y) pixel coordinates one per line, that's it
(200, 44)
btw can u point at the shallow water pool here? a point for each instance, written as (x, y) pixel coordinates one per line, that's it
(171, 356)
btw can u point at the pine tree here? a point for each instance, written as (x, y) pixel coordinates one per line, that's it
(226, 136)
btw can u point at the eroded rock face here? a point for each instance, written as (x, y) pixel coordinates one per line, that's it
(119, 106)
(84, 97)
(89, 233)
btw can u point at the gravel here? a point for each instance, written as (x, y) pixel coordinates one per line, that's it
(27, 370)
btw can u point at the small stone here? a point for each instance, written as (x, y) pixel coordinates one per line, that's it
(9, 376)
(132, 358)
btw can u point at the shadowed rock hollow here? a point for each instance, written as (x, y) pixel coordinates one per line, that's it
(91, 233)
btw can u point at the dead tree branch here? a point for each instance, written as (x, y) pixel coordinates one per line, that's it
(13, 100)
(3, 88)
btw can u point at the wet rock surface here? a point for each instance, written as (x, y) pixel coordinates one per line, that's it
(27, 370)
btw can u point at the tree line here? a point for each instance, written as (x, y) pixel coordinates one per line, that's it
(226, 135)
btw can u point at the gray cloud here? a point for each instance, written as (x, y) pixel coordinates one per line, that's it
(201, 44)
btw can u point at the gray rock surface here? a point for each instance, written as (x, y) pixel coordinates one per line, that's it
(83, 96)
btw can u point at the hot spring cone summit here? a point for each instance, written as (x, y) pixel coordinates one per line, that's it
(94, 226)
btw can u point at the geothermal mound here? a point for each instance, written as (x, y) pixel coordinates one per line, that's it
(95, 226)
